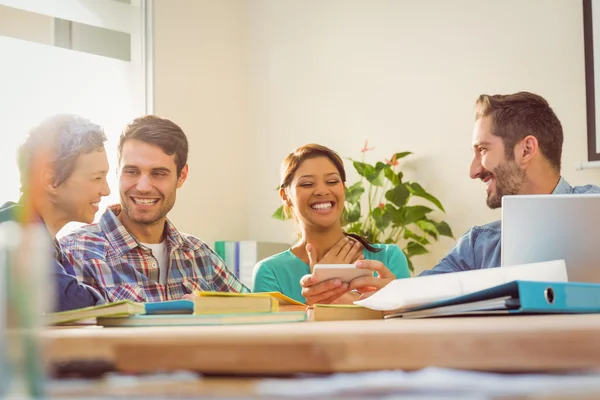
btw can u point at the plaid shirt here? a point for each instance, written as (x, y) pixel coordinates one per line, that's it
(107, 257)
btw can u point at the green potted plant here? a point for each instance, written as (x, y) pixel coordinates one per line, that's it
(390, 215)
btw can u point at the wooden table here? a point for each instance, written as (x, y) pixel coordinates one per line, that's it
(515, 344)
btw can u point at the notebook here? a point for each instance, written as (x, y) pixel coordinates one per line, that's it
(120, 308)
(170, 307)
(205, 319)
(235, 304)
(281, 298)
(214, 305)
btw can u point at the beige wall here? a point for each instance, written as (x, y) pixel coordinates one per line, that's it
(250, 81)
(200, 84)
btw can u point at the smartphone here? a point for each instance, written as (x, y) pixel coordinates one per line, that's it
(343, 272)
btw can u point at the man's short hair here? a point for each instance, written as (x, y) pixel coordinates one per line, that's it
(62, 138)
(159, 132)
(516, 116)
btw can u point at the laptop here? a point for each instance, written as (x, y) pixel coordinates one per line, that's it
(566, 227)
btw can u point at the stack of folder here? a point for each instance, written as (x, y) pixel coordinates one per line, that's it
(517, 297)
(206, 308)
(536, 288)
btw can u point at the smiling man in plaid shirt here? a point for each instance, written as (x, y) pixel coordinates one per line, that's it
(134, 252)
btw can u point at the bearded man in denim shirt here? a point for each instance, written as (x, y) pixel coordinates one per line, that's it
(517, 146)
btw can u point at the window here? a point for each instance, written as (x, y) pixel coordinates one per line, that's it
(86, 57)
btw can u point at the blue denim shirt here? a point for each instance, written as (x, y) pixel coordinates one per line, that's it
(479, 247)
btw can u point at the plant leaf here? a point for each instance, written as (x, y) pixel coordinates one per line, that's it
(364, 169)
(279, 214)
(415, 249)
(376, 214)
(354, 192)
(418, 190)
(410, 265)
(389, 208)
(408, 234)
(443, 228)
(389, 173)
(379, 166)
(381, 218)
(351, 213)
(377, 178)
(412, 214)
(395, 214)
(398, 195)
(355, 228)
(401, 155)
(427, 226)
(370, 236)
(433, 235)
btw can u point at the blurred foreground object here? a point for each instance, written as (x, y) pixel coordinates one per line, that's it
(26, 292)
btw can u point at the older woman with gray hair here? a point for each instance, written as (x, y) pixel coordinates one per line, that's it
(63, 167)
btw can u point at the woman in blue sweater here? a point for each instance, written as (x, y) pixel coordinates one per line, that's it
(313, 191)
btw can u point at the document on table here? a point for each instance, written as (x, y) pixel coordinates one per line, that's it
(434, 381)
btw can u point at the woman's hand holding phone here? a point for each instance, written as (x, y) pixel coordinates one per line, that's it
(345, 251)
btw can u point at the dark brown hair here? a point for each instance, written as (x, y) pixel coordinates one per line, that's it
(159, 132)
(292, 162)
(516, 116)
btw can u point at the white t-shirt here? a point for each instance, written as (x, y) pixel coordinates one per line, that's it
(159, 251)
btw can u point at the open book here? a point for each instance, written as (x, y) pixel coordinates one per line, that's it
(123, 308)
(403, 294)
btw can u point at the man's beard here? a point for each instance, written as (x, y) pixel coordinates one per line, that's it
(509, 179)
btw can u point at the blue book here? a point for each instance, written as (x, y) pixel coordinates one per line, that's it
(517, 297)
(170, 307)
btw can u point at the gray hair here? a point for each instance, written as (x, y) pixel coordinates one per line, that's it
(64, 137)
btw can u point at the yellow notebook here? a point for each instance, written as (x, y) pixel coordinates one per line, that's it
(281, 298)
(284, 300)
(341, 312)
(234, 304)
(122, 308)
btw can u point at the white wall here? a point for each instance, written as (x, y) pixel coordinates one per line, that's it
(200, 84)
(252, 80)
